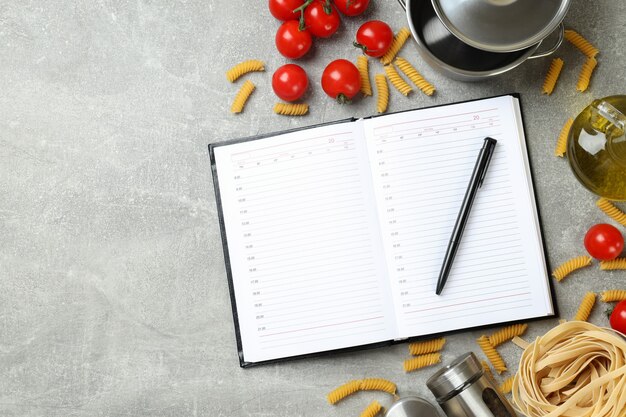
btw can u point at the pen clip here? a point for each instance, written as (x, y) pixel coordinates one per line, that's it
(489, 147)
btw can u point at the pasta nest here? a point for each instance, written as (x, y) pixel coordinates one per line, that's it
(575, 369)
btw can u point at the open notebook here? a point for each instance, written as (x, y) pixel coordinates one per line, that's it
(334, 235)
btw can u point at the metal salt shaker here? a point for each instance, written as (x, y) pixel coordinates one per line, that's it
(462, 389)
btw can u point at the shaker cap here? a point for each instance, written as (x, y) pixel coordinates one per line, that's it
(452, 379)
(412, 406)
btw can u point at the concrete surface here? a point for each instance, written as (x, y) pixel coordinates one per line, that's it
(113, 293)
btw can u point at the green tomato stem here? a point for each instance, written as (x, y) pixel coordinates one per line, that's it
(343, 99)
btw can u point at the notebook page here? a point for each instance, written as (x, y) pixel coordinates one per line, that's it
(422, 162)
(303, 241)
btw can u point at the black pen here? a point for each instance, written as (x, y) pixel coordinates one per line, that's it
(478, 175)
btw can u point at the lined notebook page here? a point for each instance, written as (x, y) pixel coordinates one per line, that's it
(303, 242)
(421, 163)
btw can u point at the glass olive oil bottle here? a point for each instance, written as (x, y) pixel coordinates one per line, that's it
(596, 147)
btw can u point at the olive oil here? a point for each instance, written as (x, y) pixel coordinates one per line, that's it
(596, 147)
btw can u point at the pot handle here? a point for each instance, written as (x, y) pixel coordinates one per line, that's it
(553, 48)
(403, 4)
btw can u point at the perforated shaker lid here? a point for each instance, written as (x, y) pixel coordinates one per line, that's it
(412, 406)
(455, 377)
(501, 25)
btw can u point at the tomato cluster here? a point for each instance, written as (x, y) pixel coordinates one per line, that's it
(305, 19)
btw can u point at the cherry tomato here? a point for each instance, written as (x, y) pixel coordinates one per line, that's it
(292, 42)
(284, 9)
(341, 80)
(352, 7)
(618, 317)
(374, 37)
(604, 242)
(290, 82)
(321, 18)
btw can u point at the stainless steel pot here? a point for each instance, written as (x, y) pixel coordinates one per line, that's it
(454, 58)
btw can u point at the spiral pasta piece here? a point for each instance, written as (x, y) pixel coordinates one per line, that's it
(243, 68)
(585, 74)
(362, 64)
(507, 333)
(417, 79)
(398, 42)
(487, 369)
(372, 409)
(427, 346)
(552, 76)
(561, 143)
(382, 89)
(586, 305)
(570, 266)
(617, 263)
(492, 354)
(581, 43)
(421, 361)
(613, 295)
(397, 81)
(576, 369)
(290, 109)
(378, 384)
(610, 210)
(242, 96)
(507, 385)
(343, 391)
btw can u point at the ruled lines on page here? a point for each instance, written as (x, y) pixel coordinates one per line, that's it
(303, 242)
(422, 163)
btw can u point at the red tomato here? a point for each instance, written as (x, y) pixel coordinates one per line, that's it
(341, 80)
(284, 9)
(292, 42)
(321, 18)
(604, 242)
(374, 37)
(290, 82)
(352, 7)
(618, 317)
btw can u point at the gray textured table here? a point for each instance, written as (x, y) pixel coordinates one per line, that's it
(113, 292)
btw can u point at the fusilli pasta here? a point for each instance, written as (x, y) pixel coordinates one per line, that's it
(507, 333)
(507, 385)
(427, 346)
(561, 143)
(610, 210)
(570, 266)
(290, 109)
(378, 384)
(343, 391)
(398, 42)
(243, 68)
(581, 43)
(242, 96)
(492, 354)
(487, 369)
(372, 409)
(421, 361)
(417, 79)
(382, 89)
(613, 295)
(397, 81)
(617, 263)
(552, 76)
(585, 74)
(362, 64)
(584, 310)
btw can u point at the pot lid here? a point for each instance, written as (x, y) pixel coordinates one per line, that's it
(501, 25)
